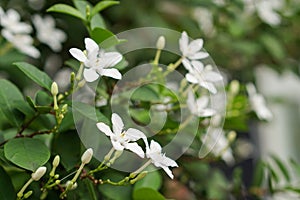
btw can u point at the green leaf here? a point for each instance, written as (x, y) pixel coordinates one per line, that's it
(9, 95)
(89, 112)
(27, 153)
(151, 180)
(7, 191)
(145, 93)
(273, 45)
(41, 78)
(102, 5)
(147, 194)
(258, 174)
(67, 146)
(104, 37)
(66, 9)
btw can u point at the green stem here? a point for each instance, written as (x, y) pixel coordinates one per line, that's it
(139, 170)
(21, 192)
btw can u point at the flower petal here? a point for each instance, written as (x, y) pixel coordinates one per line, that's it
(134, 134)
(168, 171)
(183, 43)
(135, 148)
(212, 76)
(117, 123)
(199, 55)
(186, 63)
(90, 45)
(191, 78)
(198, 66)
(78, 54)
(113, 73)
(206, 112)
(116, 144)
(209, 86)
(90, 75)
(104, 128)
(110, 59)
(195, 46)
(202, 102)
(155, 147)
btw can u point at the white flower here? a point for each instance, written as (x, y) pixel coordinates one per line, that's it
(203, 76)
(258, 103)
(267, 11)
(123, 139)
(21, 42)
(97, 62)
(159, 159)
(87, 156)
(47, 33)
(191, 51)
(204, 18)
(198, 106)
(10, 21)
(37, 175)
(216, 140)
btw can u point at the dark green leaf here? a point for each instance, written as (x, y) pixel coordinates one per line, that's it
(102, 5)
(151, 180)
(66, 9)
(67, 145)
(104, 37)
(7, 191)
(27, 153)
(282, 168)
(273, 45)
(89, 111)
(9, 95)
(258, 174)
(41, 78)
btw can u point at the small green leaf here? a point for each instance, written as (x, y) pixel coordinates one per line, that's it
(273, 45)
(27, 153)
(41, 78)
(9, 95)
(104, 37)
(102, 5)
(145, 93)
(7, 191)
(282, 168)
(147, 194)
(66, 9)
(258, 174)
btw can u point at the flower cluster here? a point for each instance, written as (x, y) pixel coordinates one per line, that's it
(126, 139)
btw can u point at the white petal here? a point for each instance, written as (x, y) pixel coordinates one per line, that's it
(90, 45)
(197, 65)
(90, 75)
(110, 59)
(209, 86)
(183, 43)
(191, 103)
(191, 78)
(78, 54)
(117, 123)
(135, 148)
(169, 162)
(155, 147)
(114, 73)
(104, 128)
(199, 55)
(116, 144)
(207, 112)
(133, 134)
(202, 102)
(212, 76)
(195, 46)
(168, 171)
(186, 63)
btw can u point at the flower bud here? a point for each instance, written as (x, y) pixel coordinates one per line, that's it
(54, 89)
(139, 177)
(37, 175)
(161, 42)
(231, 136)
(56, 160)
(28, 194)
(234, 87)
(87, 156)
(71, 185)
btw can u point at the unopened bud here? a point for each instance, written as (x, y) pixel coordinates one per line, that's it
(37, 175)
(231, 136)
(234, 87)
(56, 161)
(87, 156)
(28, 194)
(56, 176)
(71, 185)
(161, 42)
(54, 89)
(139, 177)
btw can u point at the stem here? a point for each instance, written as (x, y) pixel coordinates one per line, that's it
(79, 73)
(139, 170)
(172, 67)
(21, 192)
(157, 56)
(101, 166)
(78, 173)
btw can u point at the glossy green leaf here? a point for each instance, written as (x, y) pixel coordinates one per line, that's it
(32, 72)
(9, 95)
(147, 194)
(102, 5)
(27, 153)
(151, 180)
(67, 146)
(66, 9)
(7, 191)
(89, 112)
